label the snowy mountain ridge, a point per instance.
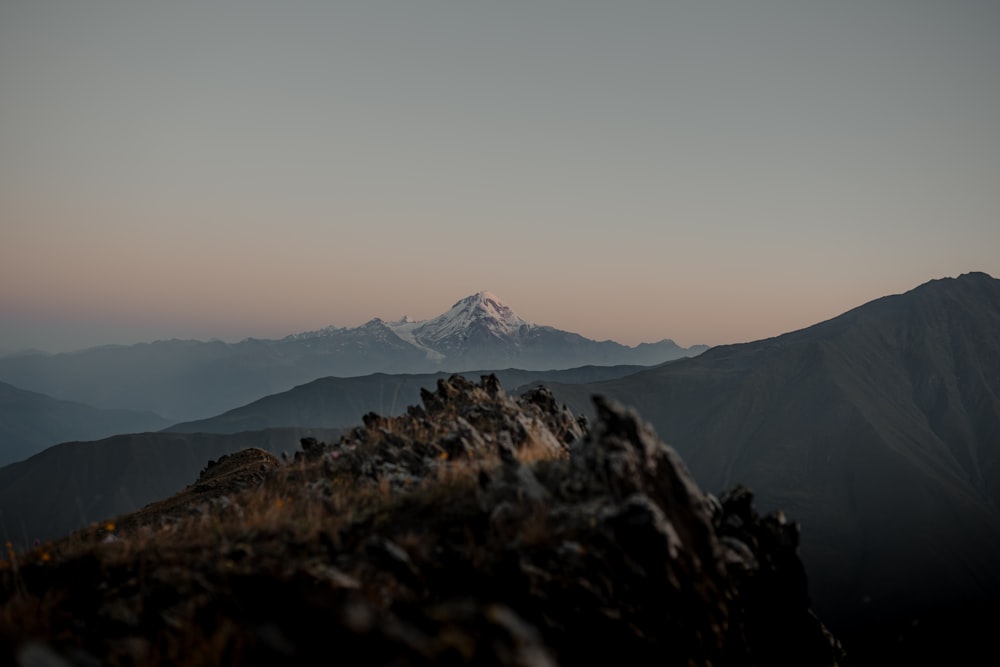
(482, 313)
(480, 329)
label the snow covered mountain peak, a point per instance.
(488, 304)
(476, 316)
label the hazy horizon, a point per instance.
(275, 333)
(709, 172)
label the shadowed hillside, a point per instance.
(73, 484)
(878, 429)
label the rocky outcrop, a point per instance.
(635, 555)
(217, 483)
(475, 529)
(459, 421)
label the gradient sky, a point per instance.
(705, 171)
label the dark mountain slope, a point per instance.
(878, 429)
(30, 422)
(70, 485)
(335, 402)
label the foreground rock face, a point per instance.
(477, 529)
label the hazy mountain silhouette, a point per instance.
(335, 402)
(72, 484)
(879, 430)
(30, 422)
(185, 379)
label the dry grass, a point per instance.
(298, 501)
(158, 586)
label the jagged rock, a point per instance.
(460, 420)
(310, 445)
(240, 469)
(627, 502)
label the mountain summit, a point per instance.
(474, 321)
(481, 331)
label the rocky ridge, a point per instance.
(475, 529)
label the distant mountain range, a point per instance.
(30, 422)
(185, 379)
(879, 430)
